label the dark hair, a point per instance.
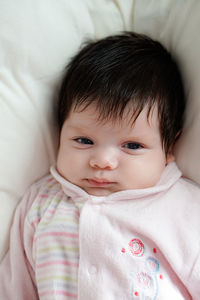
(121, 69)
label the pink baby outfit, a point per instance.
(136, 244)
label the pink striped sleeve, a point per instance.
(16, 273)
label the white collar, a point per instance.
(169, 176)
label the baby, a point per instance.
(114, 219)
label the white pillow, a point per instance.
(36, 40)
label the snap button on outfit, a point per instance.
(93, 270)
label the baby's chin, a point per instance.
(98, 192)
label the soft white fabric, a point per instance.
(36, 40)
(105, 247)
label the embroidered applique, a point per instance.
(144, 279)
(144, 286)
(152, 264)
(136, 247)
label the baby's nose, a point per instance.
(104, 160)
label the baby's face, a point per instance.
(103, 158)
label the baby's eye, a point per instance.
(84, 141)
(133, 146)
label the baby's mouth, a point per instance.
(99, 182)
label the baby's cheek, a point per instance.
(153, 175)
(148, 177)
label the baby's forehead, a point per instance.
(91, 115)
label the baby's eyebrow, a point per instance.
(78, 128)
(73, 127)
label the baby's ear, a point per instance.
(170, 156)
